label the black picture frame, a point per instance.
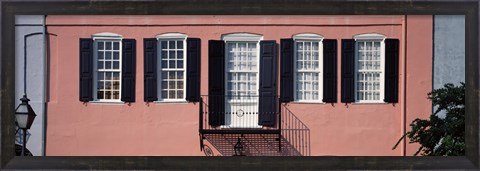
(10, 8)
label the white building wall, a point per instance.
(26, 24)
(449, 50)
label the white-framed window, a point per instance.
(242, 69)
(369, 68)
(107, 67)
(172, 64)
(242, 65)
(308, 67)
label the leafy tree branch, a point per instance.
(441, 135)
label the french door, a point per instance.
(242, 74)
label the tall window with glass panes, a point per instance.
(108, 69)
(369, 69)
(242, 69)
(172, 69)
(308, 75)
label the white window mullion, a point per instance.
(311, 83)
(364, 55)
(303, 55)
(104, 85)
(236, 66)
(311, 56)
(235, 57)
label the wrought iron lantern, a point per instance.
(24, 114)
(238, 148)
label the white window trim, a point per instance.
(371, 37)
(171, 35)
(167, 37)
(106, 36)
(241, 38)
(309, 37)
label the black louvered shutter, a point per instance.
(286, 70)
(391, 70)
(216, 82)
(86, 70)
(150, 69)
(348, 70)
(330, 70)
(268, 83)
(128, 69)
(193, 69)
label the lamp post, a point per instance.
(238, 148)
(24, 114)
(24, 117)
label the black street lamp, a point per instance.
(238, 148)
(24, 117)
(24, 114)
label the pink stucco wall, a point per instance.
(419, 45)
(140, 129)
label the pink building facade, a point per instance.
(194, 85)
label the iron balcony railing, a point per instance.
(295, 134)
(224, 119)
(239, 114)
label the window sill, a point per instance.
(108, 102)
(307, 102)
(171, 102)
(360, 103)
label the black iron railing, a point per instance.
(224, 119)
(295, 134)
(239, 114)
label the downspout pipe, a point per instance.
(44, 84)
(46, 53)
(404, 117)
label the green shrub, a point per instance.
(444, 135)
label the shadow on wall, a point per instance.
(295, 132)
(294, 140)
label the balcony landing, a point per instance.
(240, 131)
